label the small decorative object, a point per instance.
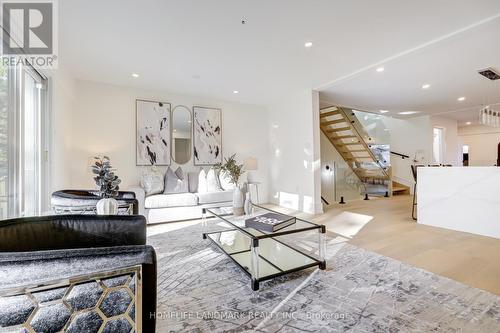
(207, 136)
(234, 170)
(270, 222)
(108, 184)
(248, 204)
(153, 133)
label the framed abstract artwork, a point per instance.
(153, 132)
(207, 131)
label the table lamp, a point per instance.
(250, 164)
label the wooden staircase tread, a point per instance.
(338, 129)
(332, 122)
(338, 137)
(349, 143)
(329, 113)
(355, 151)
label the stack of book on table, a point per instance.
(269, 222)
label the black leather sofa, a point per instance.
(72, 273)
(81, 200)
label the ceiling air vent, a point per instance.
(489, 73)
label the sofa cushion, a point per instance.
(184, 179)
(171, 200)
(174, 183)
(212, 181)
(193, 181)
(152, 182)
(211, 197)
(202, 182)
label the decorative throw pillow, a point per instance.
(202, 182)
(184, 182)
(172, 183)
(193, 181)
(212, 181)
(225, 181)
(152, 182)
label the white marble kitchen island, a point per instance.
(460, 198)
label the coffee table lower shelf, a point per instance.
(261, 259)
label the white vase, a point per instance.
(237, 201)
(107, 206)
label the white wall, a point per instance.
(483, 144)
(295, 152)
(103, 122)
(409, 136)
(329, 156)
(63, 102)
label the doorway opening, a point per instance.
(438, 145)
(465, 153)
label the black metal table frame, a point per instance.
(253, 272)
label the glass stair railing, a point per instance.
(362, 140)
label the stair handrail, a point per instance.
(403, 156)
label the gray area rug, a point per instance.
(201, 290)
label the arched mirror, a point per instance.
(181, 134)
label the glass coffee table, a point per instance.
(265, 255)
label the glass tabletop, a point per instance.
(226, 214)
(274, 257)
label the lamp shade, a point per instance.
(251, 163)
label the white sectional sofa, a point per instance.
(159, 208)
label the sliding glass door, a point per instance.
(22, 142)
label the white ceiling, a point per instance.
(201, 47)
(449, 66)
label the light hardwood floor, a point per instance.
(384, 225)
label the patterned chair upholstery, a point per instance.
(76, 273)
(83, 201)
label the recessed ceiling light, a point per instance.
(380, 69)
(468, 123)
(408, 112)
(461, 99)
(426, 86)
(383, 111)
(308, 44)
(135, 75)
(236, 92)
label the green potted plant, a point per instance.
(234, 171)
(108, 186)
